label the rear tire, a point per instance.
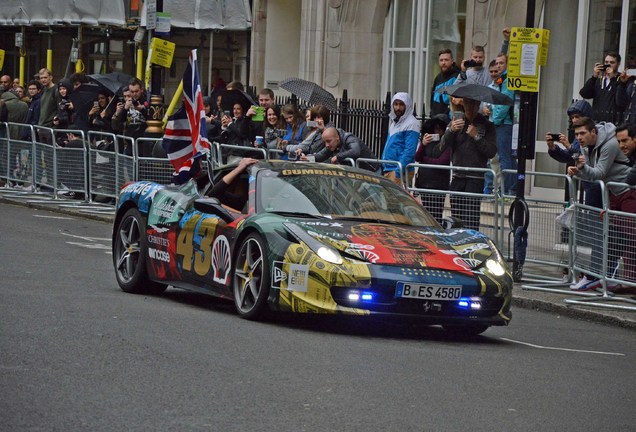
(251, 278)
(130, 252)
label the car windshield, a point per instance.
(338, 194)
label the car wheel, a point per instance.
(251, 278)
(130, 252)
(466, 329)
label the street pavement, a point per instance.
(525, 294)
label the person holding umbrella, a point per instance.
(473, 140)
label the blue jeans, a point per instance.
(504, 149)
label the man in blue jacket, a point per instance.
(404, 134)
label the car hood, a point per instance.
(402, 245)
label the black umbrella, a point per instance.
(235, 96)
(113, 82)
(309, 91)
(476, 92)
(83, 98)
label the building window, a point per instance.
(416, 31)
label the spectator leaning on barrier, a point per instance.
(403, 137)
(34, 88)
(592, 194)
(626, 137)
(341, 145)
(313, 142)
(602, 159)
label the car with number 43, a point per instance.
(309, 238)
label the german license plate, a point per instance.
(428, 291)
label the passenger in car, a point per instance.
(227, 191)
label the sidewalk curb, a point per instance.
(572, 312)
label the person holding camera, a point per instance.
(100, 114)
(65, 110)
(473, 140)
(131, 114)
(601, 87)
(473, 70)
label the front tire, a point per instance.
(130, 252)
(251, 278)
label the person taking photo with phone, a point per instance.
(473, 140)
(601, 87)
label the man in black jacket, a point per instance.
(341, 145)
(601, 87)
(447, 75)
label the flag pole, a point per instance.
(173, 103)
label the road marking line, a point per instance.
(85, 238)
(562, 349)
(53, 217)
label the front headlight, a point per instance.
(495, 267)
(324, 251)
(495, 262)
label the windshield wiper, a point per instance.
(297, 214)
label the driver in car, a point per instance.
(222, 189)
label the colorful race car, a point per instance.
(309, 238)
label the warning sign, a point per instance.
(523, 84)
(528, 50)
(162, 52)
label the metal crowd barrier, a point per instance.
(601, 242)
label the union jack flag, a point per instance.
(186, 137)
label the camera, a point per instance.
(122, 99)
(555, 136)
(606, 66)
(312, 123)
(471, 63)
(292, 156)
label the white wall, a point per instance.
(283, 40)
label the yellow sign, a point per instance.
(528, 50)
(1, 59)
(523, 84)
(162, 52)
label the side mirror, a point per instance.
(450, 222)
(213, 206)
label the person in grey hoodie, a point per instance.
(602, 159)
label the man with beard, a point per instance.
(446, 76)
(404, 134)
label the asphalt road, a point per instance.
(76, 353)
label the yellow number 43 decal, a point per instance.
(202, 256)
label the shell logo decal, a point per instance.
(221, 260)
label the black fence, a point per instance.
(367, 119)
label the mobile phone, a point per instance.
(227, 113)
(575, 156)
(458, 115)
(434, 137)
(95, 104)
(555, 137)
(122, 99)
(630, 72)
(312, 123)
(292, 156)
